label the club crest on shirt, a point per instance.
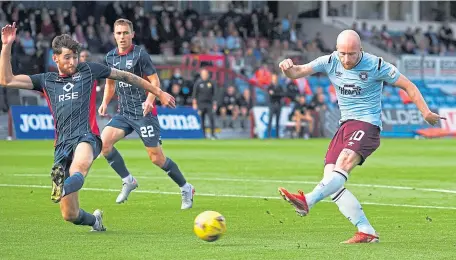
(77, 76)
(363, 76)
(209, 85)
(129, 64)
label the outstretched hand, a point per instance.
(167, 100)
(9, 33)
(433, 118)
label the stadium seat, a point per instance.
(313, 81)
(450, 99)
(395, 99)
(410, 106)
(419, 83)
(429, 98)
(324, 82)
(388, 106)
(435, 91)
(440, 99)
(425, 91)
(399, 106)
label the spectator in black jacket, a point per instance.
(205, 100)
(276, 93)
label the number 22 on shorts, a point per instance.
(147, 131)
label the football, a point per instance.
(209, 226)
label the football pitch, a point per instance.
(407, 189)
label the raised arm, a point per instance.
(293, 71)
(165, 98)
(7, 79)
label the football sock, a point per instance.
(328, 185)
(73, 183)
(85, 219)
(174, 173)
(349, 206)
(117, 163)
(185, 187)
(128, 179)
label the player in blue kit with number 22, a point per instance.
(358, 78)
(71, 97)
(137, 113)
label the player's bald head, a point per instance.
(349, 48)
(349, 38)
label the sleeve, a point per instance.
(388, 72)
(106, 60)
(321, 64)
(146, 63)
(99, 71)
(36, 81)
(195, 89)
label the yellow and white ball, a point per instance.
(209, 226)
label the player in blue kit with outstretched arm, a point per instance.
(136, 112)
(71, 97)
(358, 78)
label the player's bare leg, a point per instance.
(157, 156)
(109, 137)
(83, 158)
(69, 204)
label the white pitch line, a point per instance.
(224, 195)
(263, 181)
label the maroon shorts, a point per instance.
(360, 137)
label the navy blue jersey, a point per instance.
(72, 99)
(131, 97)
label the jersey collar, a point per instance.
(125, 52)
(362, 55)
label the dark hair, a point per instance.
(65, 41)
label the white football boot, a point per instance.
(99, 222)
(126, 189)
(187, 196)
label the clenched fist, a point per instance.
(286, 64)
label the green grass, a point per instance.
(152, 226)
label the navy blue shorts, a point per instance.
(63, 153)
(148, 128)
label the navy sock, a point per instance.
(117, 163)
(174, 173)
(84, 219)
(73, 183)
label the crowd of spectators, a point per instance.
(433, 41)
(252, 42)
